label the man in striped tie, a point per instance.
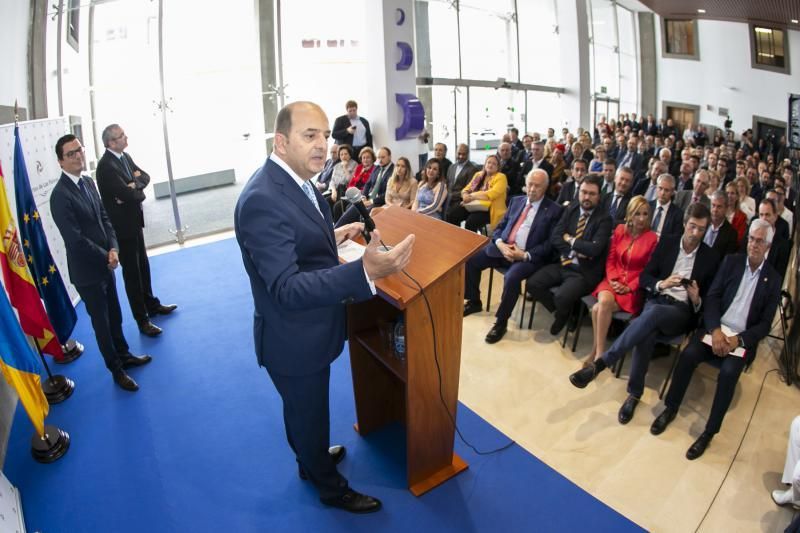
(581, 238)
(520, 243)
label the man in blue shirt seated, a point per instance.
(739, 309)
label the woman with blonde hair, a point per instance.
(735, 215)
(631, 246)
(401, 189)
(483, 199)
(746, 202)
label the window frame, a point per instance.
(695, 56)
(786, 69)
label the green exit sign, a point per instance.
(603, 89)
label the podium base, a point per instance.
(57, 388)
(52, 447)
(72, 350)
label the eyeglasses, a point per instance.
(72, 153)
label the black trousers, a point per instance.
(730, 370)
(136, 273)
(572, 286)
(102, 304)
(512, 281)
(475, 219)
(306, 417)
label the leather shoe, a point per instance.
(628, 407)
(662, 421)
(585, 375)
(472, 307)
(125, 381)
(337, 453)
(699, 447)
(149, 329)
(558, 325)
(163, 309)
(354, 502)
(496, 333)
(130, 360)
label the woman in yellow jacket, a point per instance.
(483, 199)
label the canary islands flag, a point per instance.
(20, 366)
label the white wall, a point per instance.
(723, 77)
(14, 25)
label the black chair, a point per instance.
(675, 344)
(587, 302)
(503, 270)
(533, 308)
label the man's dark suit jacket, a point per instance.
(381, 198)
(593, 245)
(641, 186)
(112, 181)
(538, 244)
(635, 163)
(622, 207)
(650, 128)
(511, 170)
(527, 166)
(567, 194)
(762, 308)
(662, 263)
(299, 288)
(727, 240)
(86, 229)
(457, 183)
(684, 198)
(341, 135)
(673, 225)
(780, 250)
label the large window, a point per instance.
(679, 39)
(769, 49)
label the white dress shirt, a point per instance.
(735, 317)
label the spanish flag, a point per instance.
(20, 367)
(20, 285)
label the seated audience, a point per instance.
(324, 178)
(520, 243)
(609, 171)
(738, 313)
(791, 469)
(667, 217)
(342, 173)
(647, 185)
(720, 235)
(581, 239)
(402, 187)
(616, 202)
(459, 175)
(596, 164)
(781, 248)
(364, 169)
(431, 192)
(747, 203)
(570, 189)
(483, 200)
(559, 168)
(374, 192)
(631, 247)
(734, 215)
(697, 193)
(510, 170)
(537, 160)
(675, 280)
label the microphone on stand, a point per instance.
(356, 199)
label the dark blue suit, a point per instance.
(537, 245)
(673, 225)
(88, 237)
(759, 321)
(300, 291)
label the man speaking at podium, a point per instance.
(288, 243)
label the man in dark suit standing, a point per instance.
(520, 243)
(720, 235)
(92, 256)
(738, 313)
(581, 239)
(352, 129)
(616, 202)
(666, 217)
(121, 183)
(675, 279)
(288, 243)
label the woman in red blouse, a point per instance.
(631, 247)
(364, 170)
(736, 217)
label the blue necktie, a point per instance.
(127, 166)
(657, 218)
(613, 211)
(311, 196)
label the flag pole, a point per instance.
(56, 388)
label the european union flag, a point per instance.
(37, 252)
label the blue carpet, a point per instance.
(201, 446)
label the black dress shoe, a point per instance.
(627, 409)
(130, 360)
(558, 325)
(586, 375)
(496, 333)
(163, 309)
(354, 502)
(337, 453)
(472, 307)
(125, 381)
(149, 329)
(662, 421)
(699, 447)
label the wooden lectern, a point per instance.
(388, 389)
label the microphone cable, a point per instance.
(439, 373)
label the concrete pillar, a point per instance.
(574, 47)
(648, 81)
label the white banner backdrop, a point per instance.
(38, 138)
